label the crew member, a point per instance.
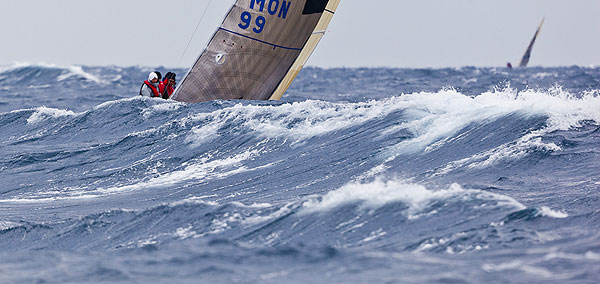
(150, 87)
(168, 85)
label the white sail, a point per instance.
(258, 50)
(527, 55)
(308, 49)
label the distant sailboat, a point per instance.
(527, 55)
(258, 50)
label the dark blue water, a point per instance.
(468, 175)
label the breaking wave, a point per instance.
(460, 170)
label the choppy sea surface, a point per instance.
(466, 175)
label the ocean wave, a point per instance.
(416, 197)
(44, 113)
(199, 219)
(432, 118)
(441, 164)
(441, 115)
(264, 224)
(428, 121)
(298, 120)
(548, 212)
(77, 71)
(7, 225)
(47, 73)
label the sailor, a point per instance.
(508, 65)
(168, 85)
(161, 86)
(150, 87)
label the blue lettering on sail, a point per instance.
(285, 7)
(246, 18)
(262, 4)
(273, 8)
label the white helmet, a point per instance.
(152, 76)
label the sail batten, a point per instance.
(267, 43)
(266, 39)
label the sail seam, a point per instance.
(261, 41)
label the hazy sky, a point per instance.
(397, 33)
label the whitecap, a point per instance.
(77, 71)
(44, 113)
(201, 170)
(298, 120)
(547, 212)
(187, 233)
(435, 119)
(68, 71)
(163, 107)
(6, 225)
(284, 210)
(379, 193)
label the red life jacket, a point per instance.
(170, 88)
(154, 89)
(161, 87)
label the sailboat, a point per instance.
(527, 55)
(258, 50)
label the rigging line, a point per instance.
(194, 33)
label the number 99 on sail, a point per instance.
(246, 22)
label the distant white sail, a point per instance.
(258, 50)
(527, 55)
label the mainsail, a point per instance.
(527, 55)
(258, 50)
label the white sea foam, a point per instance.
(5, 225)
(39, 86)
(433, 118)
(74, 71)
(204, 134)
(218, 226)
(519, 265)
(17, 65)
(590, 255)
(373, 236)
(284, 210)
(43, 113)
(542, 75)
(187, 233)
(379, 193)
(202, 170)
(447, 112)
(505, 152)
(30, 200)
(298, 120)
(436, 118)
(111, 103)
(373, 172)
(253, 205)
(167, 106)
(547, 212)
(196, 200)
(68, 71)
